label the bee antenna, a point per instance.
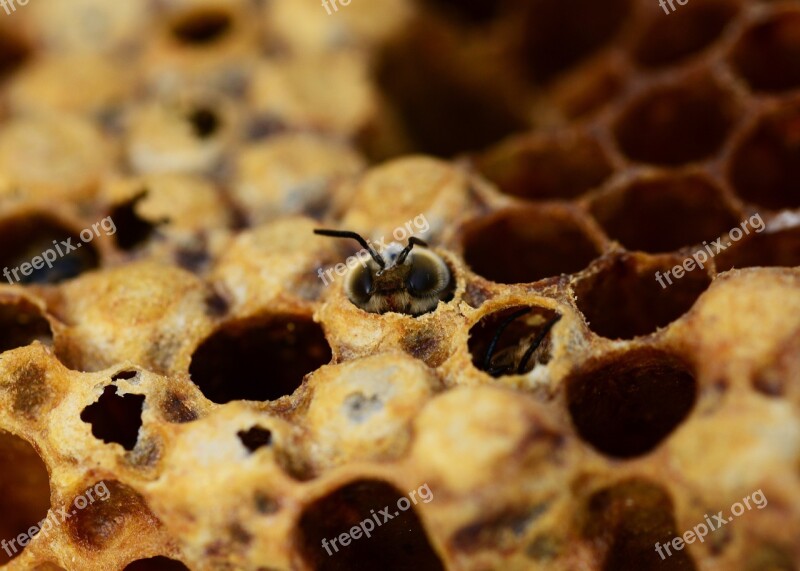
(357, 237)
(413, 241)
(536, 342)
(487, 360)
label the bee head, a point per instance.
(401, 279)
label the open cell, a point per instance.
(767, 56)
(528, 244)
(674, 125)
(765, 167)
(665, 213)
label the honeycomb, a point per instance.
(187, 393)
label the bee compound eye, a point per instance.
(424, 277)
(361, 284)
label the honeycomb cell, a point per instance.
(24, 493)
(399, 542)
(624, 299)
(29, 237)
(767, 56)
(104, 522)
(201, 27)
(527, 244)
(627, 404)
(561, 33)
(687, 31)
(541, 168)
(260, 360)
(672, 125)
(420, 82)
(469, 11)
(774, 248)
(22, 323)
(115, 418)
(628, 519)
(662, 214)
(254, 438)
(14, 52)
(159, 563)
(765, 167)
(500, 342)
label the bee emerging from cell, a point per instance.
(512, 343)
(399, 279)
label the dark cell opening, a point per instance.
(202, 27)
(132, 231)
(399, 543)
(625, 299)
(205, 122)
(765, 168)
(115, 418)
(22, 323)
(442, 110)
(768, 55)
(764, 249)
(24, 492)
(259, 360)
(626, 405)
(527, 244)
(511, 333)
(664, 214)
(687, 31)
(676, 125)
(470, 11)
(159, 563)
(627, 520)
(14, 53)
(545, 169)
(561, 33)
(30, 240)
(255, 438)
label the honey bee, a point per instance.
(400, 279)
(514, 360)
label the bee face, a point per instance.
(399, 279)
(413, 286)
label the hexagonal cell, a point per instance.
(545, 168)
(527, 244)
(260, 359)
(629, 521)
(688, 31)
(24, 494)
(765, 167)
(14, 52)
(40, 236)
(767, 56)
(675, 124)
(662, 214)
(774, 248)
(624, 299)
(626, 405)
(512, 341)
(469, 11)
(22, 323)
(443, 109)
(558, 34)
(159, 563)
(363, 522)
